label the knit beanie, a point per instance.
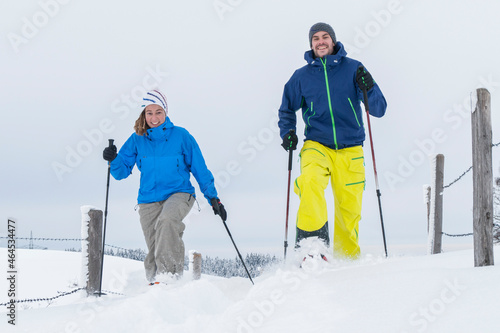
(155, 97)
(321, 27)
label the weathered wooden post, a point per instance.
(482, 175)
(436, 213)
(92, 247)
(195, 265)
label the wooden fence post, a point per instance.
(436, 213)
(195, 265)
(92, 247)
(482, 180)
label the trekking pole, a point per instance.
(290, 153)
(105, 219)
(365, 100)
(237, 251)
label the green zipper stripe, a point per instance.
(355, 183)
(358, 158)
(330, 103)
(352, 107)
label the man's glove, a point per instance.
(218, 208)
(109, 153)
(290, 140)
(364, 79)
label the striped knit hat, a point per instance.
(155, 97)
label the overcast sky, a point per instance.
(71, 72)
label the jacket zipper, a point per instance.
(330, 103)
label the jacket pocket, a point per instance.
(307, 118)
(354, 111)
(356, 172)
(170, 171)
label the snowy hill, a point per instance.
(440, 293)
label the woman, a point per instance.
(165, 155)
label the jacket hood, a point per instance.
(332, 59)
(160, 132)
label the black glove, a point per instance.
(290, 140)
(109, 153)
(364, 79)
(218, 208)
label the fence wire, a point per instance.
(459, 177)
(455, 181)
(43, 239)
(467, 171)
(50, 299)
(61, 240)
(62, 294)
(458, 235)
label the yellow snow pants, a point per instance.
(345, 167)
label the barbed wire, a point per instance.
(458, 235)
(467, 171)
(46, 299)
(495, 225)
(459, 177)
(61, 239)
(43, 239)
(50, 299)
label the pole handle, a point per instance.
(111, 142)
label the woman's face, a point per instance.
(155, 115)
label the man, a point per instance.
(329, 91)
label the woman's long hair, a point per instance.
(141, 126)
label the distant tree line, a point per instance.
(255, 262)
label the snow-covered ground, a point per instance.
(404, 293)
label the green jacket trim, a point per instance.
(330, 103)
(354, 111)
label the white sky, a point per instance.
(69, 69)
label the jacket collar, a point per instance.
(160, 132)
(331, 60)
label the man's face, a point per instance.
(322, 44)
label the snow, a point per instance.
(421, 293)
(444, 49)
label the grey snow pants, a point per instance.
(163, 228)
